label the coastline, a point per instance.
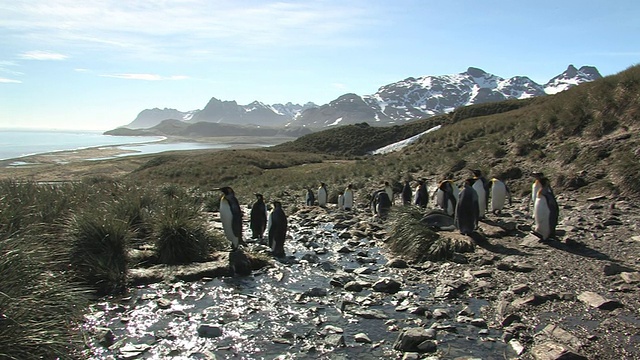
(113, 160)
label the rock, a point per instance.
(369, 313)
(362, 338)
(340, 280)
(482, 273)
(105, 336)
(131, 351)
(163, 303)
(441, 314)
(397, 263)
(363, 270)
(344, 250)
(532, 241)
(315, 292)
(479, 322)
(330, 329)
(310, 258)
(428, 346)
(388, 286)
(353, 286)
(554, 351)
(448, 290)
(519, 289)
(630, 277)
(562, 335)
(531, 300)
(515, 266)
(336, 340)
(239, 263)
(510, 319)
(597, 301)
(209, 331)
(411, 356)
(410, 338)
(615, 269)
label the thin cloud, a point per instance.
(146, 77)
(10, 81)
(42, 55)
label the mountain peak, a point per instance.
(476, 72)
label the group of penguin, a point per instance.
(467, 204)
(273, 222)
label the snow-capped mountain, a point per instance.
(399, 102)
(415, 98)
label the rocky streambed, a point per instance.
(340, 294)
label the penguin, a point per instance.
(311, 199)
(499, 194)
(546, 211)
(422, 197)
(407, 193)
(380, 203)
(258, 220)
(322, 194)
(341, 201)
(481, 186)
(277, 229)
(539, 179)
(231, 217)
(446, 198)
(467, 209)
(389, 190)
(347, 197)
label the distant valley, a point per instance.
(397, 103)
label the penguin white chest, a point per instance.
(542, 217)
(498, 196)
(478, 186)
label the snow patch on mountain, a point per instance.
(403, 143)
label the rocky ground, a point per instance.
(574, 297)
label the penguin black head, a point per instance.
(259, 196)
(470, 181)
(477, 173)
(349, 186)
(227, 190)
(277, 204)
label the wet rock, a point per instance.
(441, 314)
(132, 351)
(397, 263)
(597, 301)
(340, 280)
(478, 322)
(409, 339)
(466, 311)
(448, 290)
(353, 286)
(553, 351)
(344, 250)
(105, 336)
(419, 310)
(335, 340)
(411, 356)
(428, 346)
(311, 258)
(388, 286)
(315, 292)
(516, 346)
(369, 313)
(330, 329)
(209, 331)
(163, 303)
(363, 270)
(362, 338)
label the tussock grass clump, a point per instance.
(39, 308)
(99, 243)
(410, 238)
(181, 235)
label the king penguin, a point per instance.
(258, 221)
(499, 195)
(446, 198)
(538, 181)
(322, 194)
(310, 197)
(422, 195)
(389, 190)
(347, 197)
(467, 209)
(277, 229)
(231, 217)
(481, 186)
(546, 211)
(407, 193)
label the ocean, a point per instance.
(15, 144)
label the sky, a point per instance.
(96, 64)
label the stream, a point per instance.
(296, 309)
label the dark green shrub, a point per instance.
(180, 234)
(99, 249)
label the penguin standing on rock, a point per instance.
(258, 219)
(380, 203)
(422, 195)
(499, 194)
(277, 229)
(538, 181)
(406, 193)
(481, 186)
(347, 198)
(546, 211)
(467, 209)
(311, 199)
(322, 194)
(446, 198)
(231, 217)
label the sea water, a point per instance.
(19, 143)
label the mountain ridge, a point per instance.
(395, 103)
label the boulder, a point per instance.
(597, 301)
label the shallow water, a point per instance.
(267, 315)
